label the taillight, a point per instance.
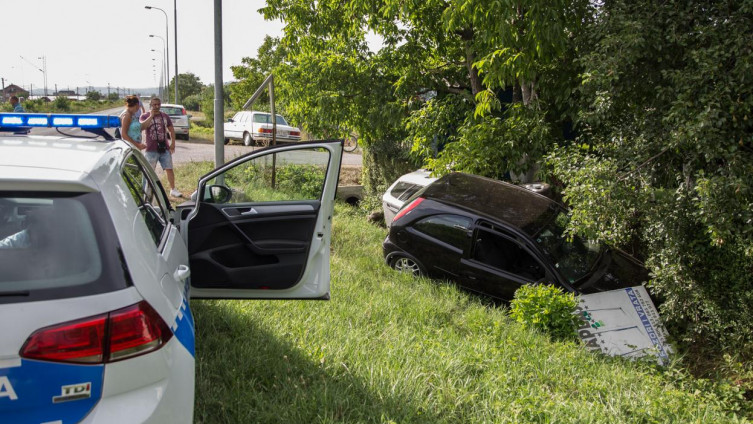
(124, 333)
(135, 330)
(77, 341)
(408, 208)
(183, 112)
(265, 130)
(295, 133)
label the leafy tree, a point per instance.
(188, 85)
(93, 95)
(113, 97)
(61, 104)
(665, 157)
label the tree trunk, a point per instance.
(470, 57)
(528, 91)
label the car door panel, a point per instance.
(266, 248)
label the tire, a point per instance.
(402, 263)
(227, 140)
(187, 137)
(351, 143)
(247, 140)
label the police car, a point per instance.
(97, 268)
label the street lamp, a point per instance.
(167, 62)
(166, 40)
(163, 68)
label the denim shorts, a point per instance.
(165, 159)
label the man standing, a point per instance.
(16, 105)
(159, 148)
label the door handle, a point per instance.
(182, 272)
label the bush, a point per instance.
(61, 104)
(546, 308)
(192, 102)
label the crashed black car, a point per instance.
(492, 237)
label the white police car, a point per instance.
(96, 268)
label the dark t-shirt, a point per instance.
(157, 131)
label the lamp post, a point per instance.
(167, 51)
(175, 36)
(167, 61)
(163, 68)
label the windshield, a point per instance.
(573, 259)
(172, 110)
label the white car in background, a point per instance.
(98, 267)
(401, 190)
(256, 128)
(179, 117)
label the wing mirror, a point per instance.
(217, 194)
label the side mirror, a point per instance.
(230, 120)
(189, 116)
(217, 194)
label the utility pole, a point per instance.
(108, 89)
(175, 36)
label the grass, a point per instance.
(389, 348)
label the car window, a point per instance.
(451, 229)
(573, 257)
(502, 252)
(237, 117)
(143, 191)
(56, 245)
(292, 175)
(403, 190)
(171, 110)
(264, 118)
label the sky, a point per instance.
(101, 42)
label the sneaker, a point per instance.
(175, 193)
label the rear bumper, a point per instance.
(267, 137)
(180, 130)
(153, 388)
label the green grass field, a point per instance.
(388, 348)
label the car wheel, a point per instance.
(247, 140)
(407, 265)
(186, 137)
(227, 140)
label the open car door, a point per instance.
(261, 225)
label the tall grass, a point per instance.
(388, 348)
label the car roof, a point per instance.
(494, 199)
(172, 105)
(51, 159)
(420, 177)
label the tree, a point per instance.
(93, 95)
(665, 157)
(113, 96)
(188, 85)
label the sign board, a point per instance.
(623, 323)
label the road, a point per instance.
(198, 150)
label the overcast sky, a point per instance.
(96, 42)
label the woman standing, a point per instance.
(130, 129)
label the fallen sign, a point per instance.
(623, 323)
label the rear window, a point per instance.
(265, 118)
(403, 190)
(57, 246)
(171, 110)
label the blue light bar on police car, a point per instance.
(55, 120)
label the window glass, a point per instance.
(451, 229)
(264, 118)
(291, 175)
(404, 190)
(172, 110)
(505, 254)
(53, 245)
(144, 192)
(573, 257)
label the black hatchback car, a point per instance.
(493, 237)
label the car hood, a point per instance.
(614, 270)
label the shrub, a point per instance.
(546, 308)
(61, 104)
(192, 102)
